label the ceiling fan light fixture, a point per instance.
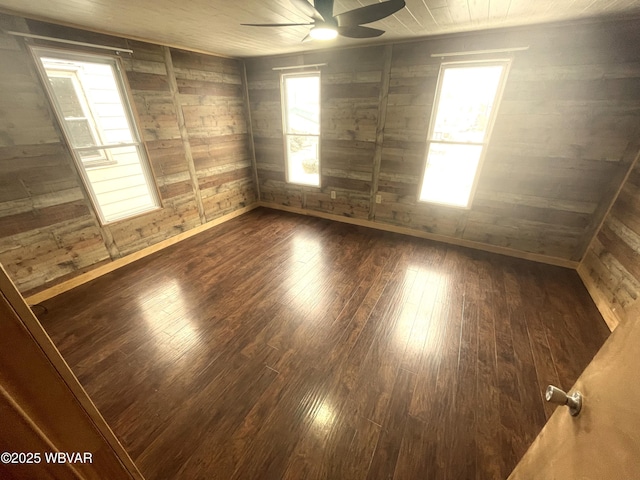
(350, 24)
(323, 32)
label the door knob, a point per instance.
(573, 401)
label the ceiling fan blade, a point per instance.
(307, 38)
(358, 31)
(308, 9)
(370, 13)
(274, 24)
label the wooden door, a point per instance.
(603, 442)
(43, 408)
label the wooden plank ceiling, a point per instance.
(214, 25)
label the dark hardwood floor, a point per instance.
(278, 346)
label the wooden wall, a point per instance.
(350, 89)
(561, 145)
(192, 117)
(560, 148)
(611, 267)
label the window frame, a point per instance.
(126, 101)
(285, 134)
(506, 64)
(73, 75)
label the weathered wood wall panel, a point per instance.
(611, 267)
(47, 228)
(48, 231)
(211, 95)
(350, 99)
(559, 151)
(147, 75)
(558, 144)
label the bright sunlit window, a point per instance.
(90, 101)
(301, 123)
(465, 107)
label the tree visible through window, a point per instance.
(301, 119)
(466, 101)
(89, 98)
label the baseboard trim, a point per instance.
(602, 304)
(559, 262)
(121, 262)
(110, 267)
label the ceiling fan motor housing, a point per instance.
(326, 25)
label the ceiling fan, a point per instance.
(326, 25)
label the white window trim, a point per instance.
(125, 99)
(286, 134)
(506, 62)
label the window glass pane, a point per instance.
(80, 132)
(302, 109)
(466, 98)
(94, 112)
(301, 115)
(467, 95)
(450, 173)
(102, 93)
(121, 188)
(66, 94)
(96, 87)
(302, 159)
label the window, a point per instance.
(77, 114)
(464, 111)
(301, 126)
(88, 96)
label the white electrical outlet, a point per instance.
(333, 194)
(378, 198)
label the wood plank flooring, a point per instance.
(278, 346)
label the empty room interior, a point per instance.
(320, 240)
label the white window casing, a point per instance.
(466, 103)
(300, 93)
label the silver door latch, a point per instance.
(573, 401)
